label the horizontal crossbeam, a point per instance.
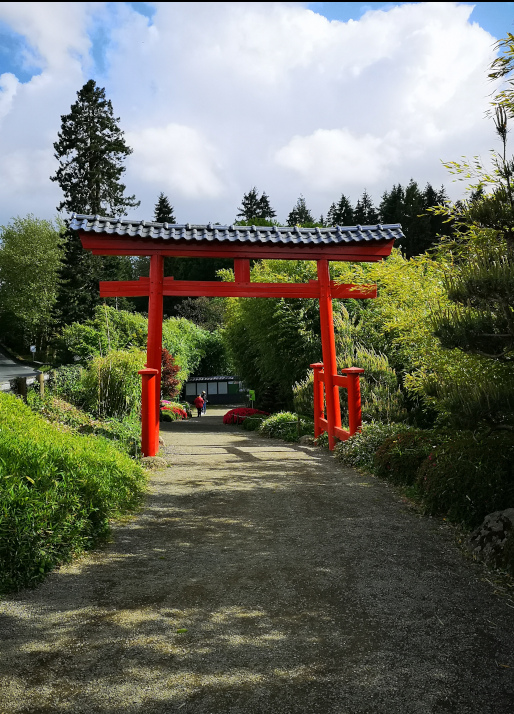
(360, 252)
(215, 288)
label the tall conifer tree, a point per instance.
(300, 215)
(90, 150)
(164, 211)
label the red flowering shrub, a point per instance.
(170, 385)
(239, 414)
(171, 411)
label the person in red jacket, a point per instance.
(199, 405)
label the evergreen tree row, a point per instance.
(407, 206)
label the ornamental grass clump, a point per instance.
(58, 491)
(112, 385)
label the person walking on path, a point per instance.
(204, 397)
(199, 405)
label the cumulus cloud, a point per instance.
(177, 159)
(218, 97)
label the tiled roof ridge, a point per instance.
(261, 235)
(97, 219)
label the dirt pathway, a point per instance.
(261, 578)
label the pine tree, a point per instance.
(266, 211)
(341, 213)
(300, 215)
(91, 150)
(365, 213)
(164, 211)
(255, 208)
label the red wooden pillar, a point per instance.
(149, 423)
(354, 398)
(154, 345)
(329, 351)
(319, 405)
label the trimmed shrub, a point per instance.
(253, 423)
(286, 426)
(399, 457)
(359, 450)
(467, 477)
(58, 491)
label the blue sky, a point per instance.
(316, 99)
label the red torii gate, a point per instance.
(107, 236)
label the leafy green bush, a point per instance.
(359, 450)
(112, 385)
(286, 426)
(399, 457)
(253, 423)
(125, 433)
(66, 382)
(467, 477)
(58, 491)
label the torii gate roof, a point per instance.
(108, 236)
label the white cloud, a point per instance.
(177, 159)
(218, 97)
(331, 157)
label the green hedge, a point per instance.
(58, 491)
(286, 426)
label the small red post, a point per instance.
(354, 398)
(149, 422)
(328, 345)
(319, 406)
(154, 345)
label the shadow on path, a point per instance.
(261, 577)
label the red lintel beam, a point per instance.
(214, 288)
(104, 244)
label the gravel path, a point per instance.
(261, 577)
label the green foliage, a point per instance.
(113, 330)
(286, 426)
(381, 397)
(359, 450)
(112, 385)
(255, 208)
(30, 259)
(66, 383)
(57, 492)
(399, 457)
(365, 213)
(163, 212)
(91, 150)
(468, 476)
(108, 330)
(409, 206)
(340, 213)
(272, 342)
(300, 214)
(125, 433)
(253, 423)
